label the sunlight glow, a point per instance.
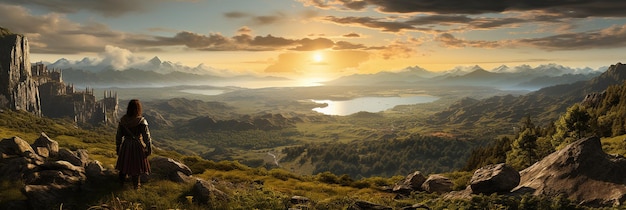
(317, 57)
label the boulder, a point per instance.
(94, 170)
(204, 192)
(366, 205)
(416, 207)
(296, 199)
(496, 178)
(437, 183)
(169, 168)
(46, 196)
(411, 183)
(42, 151)
(14, 168)
(45, 142)
(67, 155)
(15, 146)
(83, 156)
(581, 172)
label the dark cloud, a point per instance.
(568, 8)
(352, 35)
(104, 7)
(613, 37)
(448, 40)
(371, 23)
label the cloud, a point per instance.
(257, 20)
(387, 26)
(54, 33)
(448, 40)
(569, 8)
(612, 37)
(103, 7)
(352, 35)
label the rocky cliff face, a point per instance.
(18, 90)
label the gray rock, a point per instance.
(296, 199)
(168, 168)
(42, 151)
(496, 178)
(14, 168)
(46, 196)
(83, 156)
(15, 146)
(437, 183)
(204, 192)
(416, 207)
(69, 156)
(45, 142)
(94, 170)
(181, 177)
(412, 182)
(366, 205)
(581, 172)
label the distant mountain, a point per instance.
(544, 105)
(145, 73)
(519, 77)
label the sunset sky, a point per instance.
(323, 38)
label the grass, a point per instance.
(614, 145)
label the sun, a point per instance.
(317, 57)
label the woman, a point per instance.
(133, 144)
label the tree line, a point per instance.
(605, 117)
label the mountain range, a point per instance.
(155, 72)
(522, 77)
(545, 104)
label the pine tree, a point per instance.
(524, 149)
(573, 125)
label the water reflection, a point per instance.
(368, 104)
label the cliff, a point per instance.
(18, 90)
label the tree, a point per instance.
(523, 150)
(571, 126)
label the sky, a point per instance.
(322, 39)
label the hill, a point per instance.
(520, 77)
(545, 104)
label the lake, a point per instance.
(369, 104)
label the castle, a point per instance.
(60, 100)
(34, 88)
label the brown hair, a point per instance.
(134, 108)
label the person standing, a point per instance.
(133, 144)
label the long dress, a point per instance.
(132, 154)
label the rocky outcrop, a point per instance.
(412, 182)
(18, 91)
(497, 178)
(437, 184)
(204, 192)
(366, 205)
(581, 172)
(170, 169)
(48, 179)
